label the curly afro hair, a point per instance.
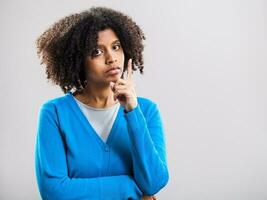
(64, 47)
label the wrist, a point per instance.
(128, 109)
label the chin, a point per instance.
(115, 77)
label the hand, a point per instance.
(124, 90)
(148, 197)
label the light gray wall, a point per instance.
(205, 65)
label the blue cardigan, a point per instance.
(73, 162)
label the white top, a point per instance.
(101, 119)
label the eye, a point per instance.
(117, 46)
(96, 52)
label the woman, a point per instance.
(99, 140)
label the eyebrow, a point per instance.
(115, 41)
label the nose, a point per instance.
(110, 59)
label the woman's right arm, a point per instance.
(52, 172)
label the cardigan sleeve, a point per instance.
(148, 143)
(52, 172)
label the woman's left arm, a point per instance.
(148, 149)
(147, 137)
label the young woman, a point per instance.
(99, 140)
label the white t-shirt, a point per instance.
(101, 119)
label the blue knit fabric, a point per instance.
(72, 162)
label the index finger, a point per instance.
(129, 70)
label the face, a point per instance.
(109, 54)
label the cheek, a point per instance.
(94, 66)
(121, 57)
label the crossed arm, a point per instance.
(52, 172)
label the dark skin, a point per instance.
(108, 88)
(98, 92)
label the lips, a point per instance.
(113, 72)
(112, 68)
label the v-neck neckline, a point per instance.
(91, 129)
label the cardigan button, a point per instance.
(106, 149)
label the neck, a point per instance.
(99, 96)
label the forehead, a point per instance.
(106, 37)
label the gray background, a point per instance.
(205, 66)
